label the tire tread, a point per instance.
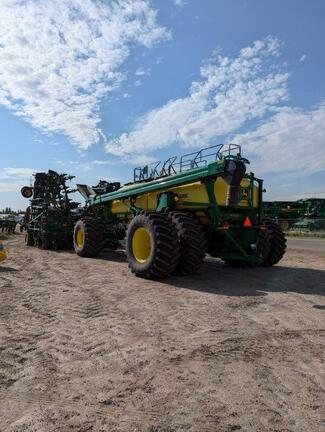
(192, 241)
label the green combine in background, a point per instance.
(302, 215)
(313, 218)
(285, 213)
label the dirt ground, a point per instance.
(86, 346)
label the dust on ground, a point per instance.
(86, 346)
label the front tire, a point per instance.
(88, 237)
(152, 246)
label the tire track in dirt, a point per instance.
(85, 346)
(55, 326)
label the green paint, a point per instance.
(183, 178)
(232, 243)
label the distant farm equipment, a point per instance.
(8, 224)
(50, 218)
(313, 218)
(301, 215)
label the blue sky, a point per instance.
(95, 88)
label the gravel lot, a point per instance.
(86, 346)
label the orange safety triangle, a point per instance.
(247, 222)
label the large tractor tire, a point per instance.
(152, 246)
(277, 243)
(88, 237)
(192, 242)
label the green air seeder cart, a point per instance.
(174, 212)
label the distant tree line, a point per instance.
(7, 210)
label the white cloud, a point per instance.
(143, 71)
(74, 167)
(302, 58)
(102, 162)
(12, 179)
(180, 3)
(231, 92)
(59, 58)
(135, 160)
(311, 192)
(15, 173)
(291, 142)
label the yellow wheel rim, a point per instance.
(26, 237)
(80, 237)
(141, 244)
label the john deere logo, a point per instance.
(244, 193)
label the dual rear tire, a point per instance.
(152, 248)
(192, 242)
(159, 244)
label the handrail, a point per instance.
(175, 165)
